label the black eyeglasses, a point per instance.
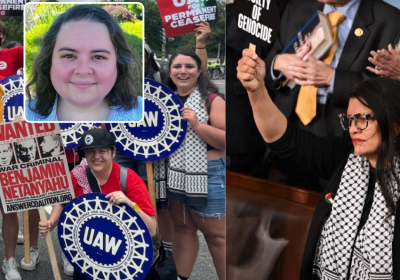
(360, 120)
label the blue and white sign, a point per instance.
(13, 99)
(104, 241)
(162, 130)
(71, 133)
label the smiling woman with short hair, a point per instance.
(99, 148)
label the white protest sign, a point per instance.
(33, 167)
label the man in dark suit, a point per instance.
(368, 25)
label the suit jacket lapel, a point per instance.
(354, 44)
(317, 6)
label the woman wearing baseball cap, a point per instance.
(98, 147)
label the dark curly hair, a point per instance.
(204, 84)
(382, 96)
(126, 88)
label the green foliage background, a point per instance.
(217, 36)
(153, 24)
(15, 32)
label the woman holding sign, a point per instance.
(355, 229)
(196, 174)
(98, 146)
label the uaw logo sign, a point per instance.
(162, 130)
(13, 98)
(71, 133)
(104, 241)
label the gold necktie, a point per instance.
(306, 107)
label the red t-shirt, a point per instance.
(11, 60)
(71, 155)
(135, 188)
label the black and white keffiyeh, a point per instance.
(372, 255)
(160, 183)
(187, 167)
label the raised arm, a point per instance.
(202, 31)
(269, 120)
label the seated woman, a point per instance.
(355, 230)
(85, 71)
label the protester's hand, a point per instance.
(282, 62)
(118, 197)
(189, 115)
(386, 62)
(202, 31)
(251, 71)
(312, 72)
(45, 227)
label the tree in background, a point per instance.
(153, 25)
(15, 30)
(120, 13)
(188, 41)
(136, 10)
(152, 20)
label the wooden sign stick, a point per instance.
(25, 221)
(27, 247)
(252, 47)
(150, 184)
(50, 247)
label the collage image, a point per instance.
(199, 139)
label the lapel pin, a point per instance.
(358, 32)
(329, 198)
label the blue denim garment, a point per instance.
(216, 191)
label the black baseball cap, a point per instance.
(96, 138)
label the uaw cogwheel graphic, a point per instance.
(162, 130)
(71, 133)
(103, 241)
(13, 98)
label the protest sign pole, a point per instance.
(150, 184)
(252, 47)
(50, 247)
(27, 253)
(25, 221)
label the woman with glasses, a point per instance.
(355, 232)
